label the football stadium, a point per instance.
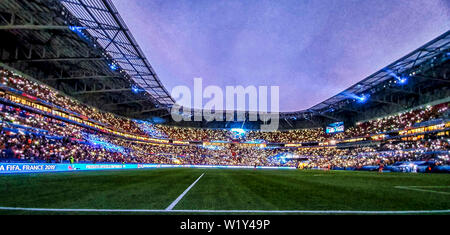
(87, 127)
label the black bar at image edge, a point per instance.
(147, 224)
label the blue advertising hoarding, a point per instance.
(18, 168)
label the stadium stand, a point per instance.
(36, 128)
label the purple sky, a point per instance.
(311, 49)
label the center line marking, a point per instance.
(174, 203)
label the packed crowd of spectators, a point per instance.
(35, 148)
(46, 93)
(400, 121)
(387, 153)
(61, 141)
(394, 122)
(381, 125)
(28, 136)
(10, 116)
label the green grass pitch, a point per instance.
(223, 189)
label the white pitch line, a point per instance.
(229, 211)
(174, 203)
(428, 186)
(415, 188)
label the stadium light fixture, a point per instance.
(113, 67)
(77, 29)
(363, 98)
(358, 98)
(400, 80)
(331, 110)
(403, 80)
(135, 89)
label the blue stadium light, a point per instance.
(76, 29)
(113, 67)
(135, 89)
(363, 98)
(401, 80)
(79, 31)
(359, 98)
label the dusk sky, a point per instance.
(312, 50)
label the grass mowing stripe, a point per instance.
(174, 203)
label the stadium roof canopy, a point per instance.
(401, 67)
(83, 48)
(101, 19)
(410, 66)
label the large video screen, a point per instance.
(336, 127)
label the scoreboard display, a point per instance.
(336, 127)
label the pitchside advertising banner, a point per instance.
(14, 168)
